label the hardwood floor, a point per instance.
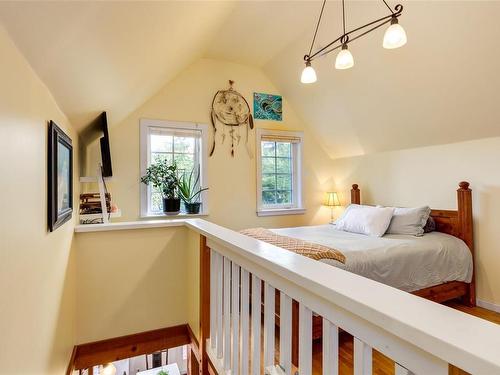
(381, 364)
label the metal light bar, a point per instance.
(350, 36)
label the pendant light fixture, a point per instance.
(344, 59)
(394, 37)
(308, 74)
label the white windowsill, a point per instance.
(281, 211)
(182, 215)
(157, 221)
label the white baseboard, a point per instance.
(488, 305)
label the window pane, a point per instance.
(157, 157)
(184, 144)
(268, 148)
(284, 182)
(283, 149)
(268, 182)
(268, 165)
(154, 190)
(284, 197)
(161, 143)
(185, 163)
(283, 165)
(156, 202)
(268, 197)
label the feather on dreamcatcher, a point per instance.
(231, 109)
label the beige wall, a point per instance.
(136, 280)
(430, 176)
(37, 299)
(130, 281)
(232, 181)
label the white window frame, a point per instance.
(145, 151)
(298, 208)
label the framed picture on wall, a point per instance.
(59, 177)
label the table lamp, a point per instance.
(332, 200)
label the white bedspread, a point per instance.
(402, 261)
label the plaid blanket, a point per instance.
(308, 249)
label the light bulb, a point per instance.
(108, 369)
(308, 74)
(395, 35)
(344, 59)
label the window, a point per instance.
(279, 173)
(182, 142)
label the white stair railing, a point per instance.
(230, 323)
(420, 336)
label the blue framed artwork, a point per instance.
(267, 107)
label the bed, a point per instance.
(445, 257)
(405, 262)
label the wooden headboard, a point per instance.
(458, 222)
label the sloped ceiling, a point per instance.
(440, 88)
(110, 56)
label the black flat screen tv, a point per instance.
(98, 129)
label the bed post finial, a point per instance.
(355, 194)
(464, 185)
(464, 197)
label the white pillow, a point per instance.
(369, 220)
(409, 220)
(350, 207)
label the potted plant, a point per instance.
(164, 177)
(189, 191)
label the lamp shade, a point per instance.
(332, 199)
(395, 35)
(308, 74)
(344, 59)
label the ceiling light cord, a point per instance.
(307, 57)
(343, 15)
(388, 7)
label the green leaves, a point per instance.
(189, 189)
(163, 176)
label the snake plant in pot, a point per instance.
(164, 177)
(190, 191)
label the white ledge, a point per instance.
(281, 211)
(128, 225)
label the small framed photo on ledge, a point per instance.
(59, 177)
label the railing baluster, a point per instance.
(235, 317)
(213, 299)
(362, 358)
(245, 295)
(227, 314)
(256, 328)
(269, 311)
(219, 304)
(305, 340)
(330, 348)
(286, 333)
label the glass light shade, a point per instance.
(308, 74)
(344, 59)
(332, 199)
(108, 369)
(395, 36)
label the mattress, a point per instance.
(405, 262)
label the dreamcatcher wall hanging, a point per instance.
(231, 109)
